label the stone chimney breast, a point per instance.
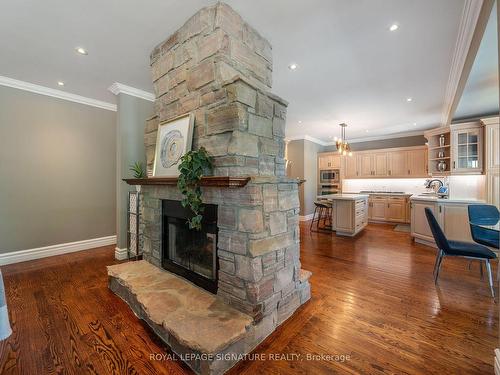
(220, 68)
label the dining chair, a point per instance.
(468, 250)
(484, 214)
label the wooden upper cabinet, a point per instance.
(329, 161)
(365, 165)
(397, 162)
(467, 148)
(335, 161)
(323, 161)
(380, 164)
(351, 167)
(417, 163)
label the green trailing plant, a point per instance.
(194, 164)
(138, 170)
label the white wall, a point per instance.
(407, 185)
(467, 187)
(461, 187)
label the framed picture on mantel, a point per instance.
(173, 140)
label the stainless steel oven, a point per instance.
(329, 176)
(326, 189)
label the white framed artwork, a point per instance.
(173, 140)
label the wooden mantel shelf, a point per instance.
(214, 181)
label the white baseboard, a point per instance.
(47, 251)
(121, 254)
(306, 217)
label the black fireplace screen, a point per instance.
(188, 252)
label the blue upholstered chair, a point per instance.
(484, 214)
(458, 248)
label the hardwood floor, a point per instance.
(374, 302)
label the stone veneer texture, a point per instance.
(219, 68)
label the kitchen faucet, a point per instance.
(428, 183)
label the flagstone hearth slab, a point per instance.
(196, 318)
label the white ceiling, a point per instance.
(480, 94)
(351, 68)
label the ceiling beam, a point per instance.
(475, 17)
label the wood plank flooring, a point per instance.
(374, 310)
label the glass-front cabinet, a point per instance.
(467, 143)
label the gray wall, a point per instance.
(311, 150)
(57, 171)
(132, 115)
(295, 156)
(303, 155)
(417, 140)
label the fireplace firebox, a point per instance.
(187, 252)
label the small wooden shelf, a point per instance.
(443, 158)
(215, 181)
(437, 147)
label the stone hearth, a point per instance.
(219, 68)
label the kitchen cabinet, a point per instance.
(439, 151)
(376, 208)
(493, 188)
(397, 163)
(387, 208)
(373, 165)
(417, 163)
(396, 209)
(419, 226)
(453, 218)
(467, 148)
(386, 163)
(350, 166)
(492, 155)
(365, 165)
(329, 161)
(379, 163)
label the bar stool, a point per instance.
(322, 211)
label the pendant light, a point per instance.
(343, 146)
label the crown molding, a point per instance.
(463, 55)
(47, 91)
(119, 88)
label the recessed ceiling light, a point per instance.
(300, 121)
(293, 66)
(409, 99)
(394, 27)
(60, 83)
(367, 131)
(81, 51)
(414, 124)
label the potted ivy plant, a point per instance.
(193, 166)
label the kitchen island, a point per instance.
(349, 212)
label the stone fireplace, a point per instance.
(219, 68)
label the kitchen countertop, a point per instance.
(344, 196)
(431, 198)
(399, 193)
